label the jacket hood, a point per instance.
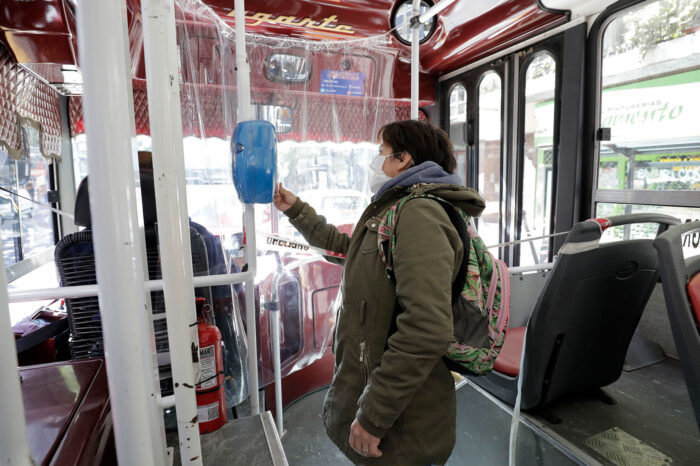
(426, 172)
(429, 177)
(462, 197)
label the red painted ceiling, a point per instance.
(43, 32)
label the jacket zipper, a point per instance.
(363, 362)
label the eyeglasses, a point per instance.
(379, 153)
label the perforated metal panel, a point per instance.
(75, 114)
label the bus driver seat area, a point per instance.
(582, 323)
(75, 260)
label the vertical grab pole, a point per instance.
(415, 60)
(279, 415)
(243, 68)
(163, 85)
(14, 449)
(275, 309)
(245, 113)
(251, 321)
(126, 316)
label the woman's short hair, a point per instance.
(422, 140)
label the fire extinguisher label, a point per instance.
(208, 413)
(207, 362)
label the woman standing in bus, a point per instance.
(392, 398)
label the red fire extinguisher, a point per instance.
(211, 399)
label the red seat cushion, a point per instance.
(694, 295)
(508, 360)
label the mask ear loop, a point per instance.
(413, 161)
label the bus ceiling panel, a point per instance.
(332, 22)
(46, 16)
(28, 47)
(465, 30)
(38, 32)
(44, 32)
(505, 24)
(312, 19)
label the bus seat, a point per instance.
(508, 360)
(694, 296)
(583, 321)
(81, 212)
(75, 262)
(680, 279)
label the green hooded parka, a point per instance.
(390, 336)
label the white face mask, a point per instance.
(377, 177)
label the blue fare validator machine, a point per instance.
(254, 149)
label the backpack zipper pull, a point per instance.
(362, 351)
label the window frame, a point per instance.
(553, 48)
(592, 195)
(450, 89)
(567, 47)
(28, 262)
(502, 69)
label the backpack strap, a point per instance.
(461, 227)
(387, 238)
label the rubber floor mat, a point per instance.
(622, 449)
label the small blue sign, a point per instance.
(342, 82)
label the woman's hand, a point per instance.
(363, 442)
(283, 199)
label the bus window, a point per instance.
(11, 246)
(650, 69)
(80, 167)
(330, 176)
(458, 119)
(538, 157)
(490, 155)
(36, 224)
(26, 227)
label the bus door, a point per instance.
(501, 117)
(475, 115)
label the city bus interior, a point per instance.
(577, 121)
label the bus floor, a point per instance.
(652, 423)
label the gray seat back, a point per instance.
(676, 272)
(583, 321)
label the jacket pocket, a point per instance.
(369, 240)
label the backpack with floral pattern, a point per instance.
(480, 293)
